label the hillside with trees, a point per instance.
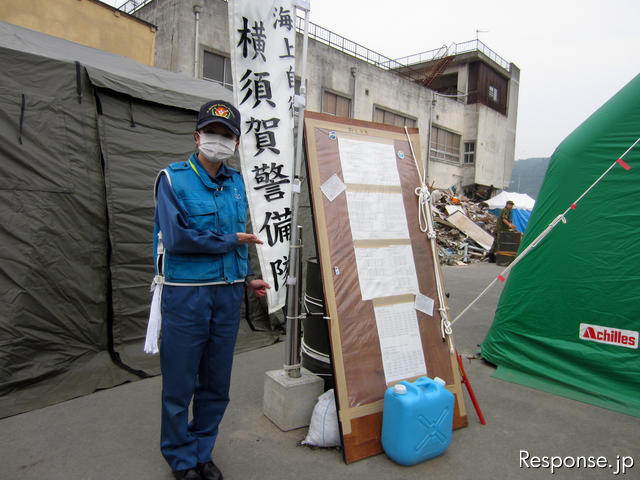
(528, 175)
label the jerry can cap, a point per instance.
(440, 381)
(400, 389)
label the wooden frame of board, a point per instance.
(356, 352)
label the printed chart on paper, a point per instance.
(376, 212)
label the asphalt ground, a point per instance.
(114, 434)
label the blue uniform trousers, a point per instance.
(199, 330)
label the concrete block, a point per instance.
(288, 402)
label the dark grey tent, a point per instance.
(82, 135)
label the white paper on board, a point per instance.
(386, 271)
(400, 343)
(368, 163)
(333, 187)
(376, 215)
(424, 304)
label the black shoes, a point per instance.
(189, 474)
(204, 471)
(209, 471)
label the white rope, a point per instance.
(313, 301)
(423, 197)
(474, 301)
(287, 368)
(560, 218)
(315, 354)
(425, 220)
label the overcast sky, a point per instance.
(573, 55)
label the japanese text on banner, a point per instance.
(263, 62)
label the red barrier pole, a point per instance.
(465, 380)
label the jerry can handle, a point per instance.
(426, 384)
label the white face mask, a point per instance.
(216, 148)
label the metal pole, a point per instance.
(354, 74)
(196, 11)
(294, 281)
(294, 295)
(426, 167)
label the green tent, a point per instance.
(569, 315)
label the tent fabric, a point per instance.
(83, 134)
(521, 201)
(126, 127)
(521, 211)
(114, 72)
(583, 272)
(53, 260)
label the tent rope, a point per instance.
(546, 231)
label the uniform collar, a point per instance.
(224, 172)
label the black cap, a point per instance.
(219, 111)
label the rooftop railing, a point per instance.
(455, 49)
(354, 49)
(322, 35)
(130, 6)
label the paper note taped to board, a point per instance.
(333, 187)
(368, 163)
(424, 304)
(377, 215)
(386, 271)
(400, 344)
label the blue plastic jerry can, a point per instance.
(417, 420)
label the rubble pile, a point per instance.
(455, 247)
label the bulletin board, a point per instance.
(374, 261)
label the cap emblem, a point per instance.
(220, 111)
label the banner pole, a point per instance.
(294, 294)
(294, 281)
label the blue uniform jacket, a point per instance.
(196, 221)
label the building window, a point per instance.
(487, 86)
(445, 145)
(469, 152)
(217, 68)
(336, 104)
(389, 118)
(493, 93)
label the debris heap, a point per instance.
(455, 247)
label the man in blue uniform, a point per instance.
(201, 254)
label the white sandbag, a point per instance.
(323, 430)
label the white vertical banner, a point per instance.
(262, 35)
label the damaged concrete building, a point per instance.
(463, 97)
